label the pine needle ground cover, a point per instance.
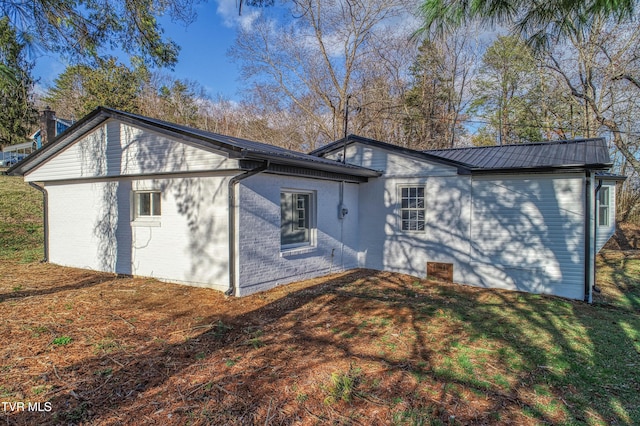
(361, 347)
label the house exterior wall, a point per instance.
(262, 263)
(391, 163)
(78, 214)
(527, 233)
(118, 149)
(91, 226)
(605, 232)
(502, 231)
(385, 246)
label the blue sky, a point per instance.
(204, 45)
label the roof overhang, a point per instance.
(467, 168)
(204, 140)
(353, 139)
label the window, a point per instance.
(147, 204)
(412, 208)
(296, 219)
(603, 206)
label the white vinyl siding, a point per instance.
(606, 213)
(528, 233)
(393, 164)
(385, 246)
(118, 149)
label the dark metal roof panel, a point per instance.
(554, 154)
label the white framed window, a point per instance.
(604, 206)
(147, 205)
(297, 218)
(412, 208)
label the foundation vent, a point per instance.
(440, 271)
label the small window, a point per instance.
(147, 204)
(412, 210)
(295, 219)
(604, 198)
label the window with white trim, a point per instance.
(604, 206)
(412, 210)
(296, 219)
(147, 204)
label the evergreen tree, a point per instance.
(505, 92)
(538, 22)
(426, 121)
(82, 88)
(16, 86)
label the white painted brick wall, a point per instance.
(262, 263)
(91, 228)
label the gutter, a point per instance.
(45, 219)
(232, 224)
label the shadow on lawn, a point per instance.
(623, 277)
(538, 344)
(93, 280)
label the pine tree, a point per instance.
(17, 113)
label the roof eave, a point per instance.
(462, 168)
(337, 168)
(558, 168)
(78, 129)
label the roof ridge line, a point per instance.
(552, 142)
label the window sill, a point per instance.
(294, 251)
(146, 223)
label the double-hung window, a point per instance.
(604, 207)
(147, 204)
(296, 219)
(412, 210)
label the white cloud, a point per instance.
(228, 10)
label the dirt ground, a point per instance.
(110, 351)
(96, 349)
(626, 237)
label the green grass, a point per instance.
(62, 340)
(21, 226)
(342, 386)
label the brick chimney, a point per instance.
(47, 125)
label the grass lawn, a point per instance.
(361, 347)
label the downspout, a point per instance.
(595, 233)
(588, 239)
(232, 223)
(45, 218)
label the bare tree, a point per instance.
(311, 62)
(600, 68)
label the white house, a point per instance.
(133, 195)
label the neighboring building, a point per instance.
(50, 128)
(134, 195)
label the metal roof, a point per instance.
(232, 147)
(564, 154)
(610, 176)
(339, 145)
(577, 153)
